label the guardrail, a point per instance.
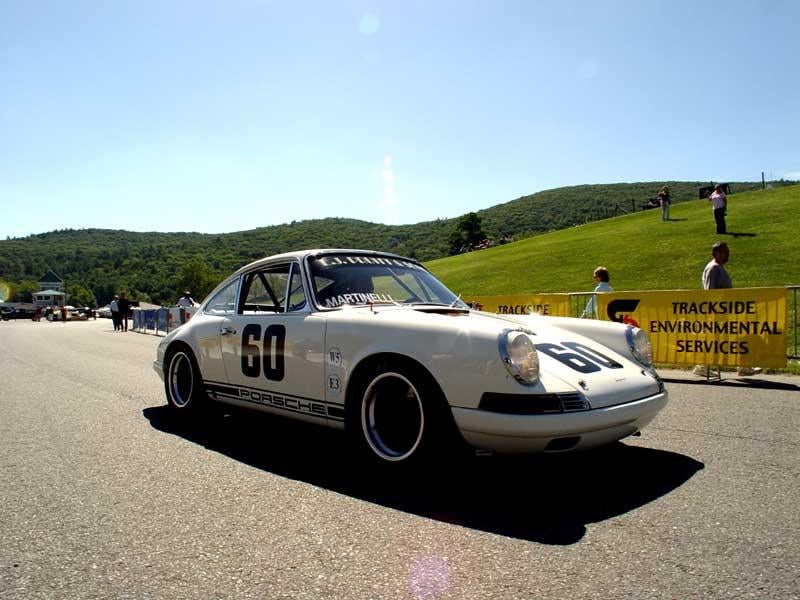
(160, 320)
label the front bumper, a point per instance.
(536, 433)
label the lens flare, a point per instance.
(369, 24)
(428, 577)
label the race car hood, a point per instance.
(607, 376)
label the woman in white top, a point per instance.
(601, 278)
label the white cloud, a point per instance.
(794, 175)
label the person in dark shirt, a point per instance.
(124, 306)
(664, 200)
(715, 277)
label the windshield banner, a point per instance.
(551, 305)
(732, 327)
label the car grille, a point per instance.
(573, 402)
(533, 404)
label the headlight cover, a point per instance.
(519, 355)
(640, 346)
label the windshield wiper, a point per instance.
(390, 302)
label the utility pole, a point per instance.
(763, 183)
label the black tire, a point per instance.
(397, 416)
(186, 395)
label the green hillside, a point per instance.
(641, 251)
(156, 266)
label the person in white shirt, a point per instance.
(186, 300)
(601, 278)
(719, 205)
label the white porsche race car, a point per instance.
(373, 343)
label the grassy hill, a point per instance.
(153, 266)
(641, 251)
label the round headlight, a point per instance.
(519, 356)
(640, 346)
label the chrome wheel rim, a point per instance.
(392, 417)
(181, 379)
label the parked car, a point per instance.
(374, 344)
(7, 313)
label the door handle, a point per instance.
(226, 330)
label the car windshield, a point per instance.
(353, 279)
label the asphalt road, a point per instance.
(102, 495)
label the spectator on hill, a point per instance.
(601, 278)
(124, 306)
(114, 306)
(719, 206)
(715, 277)
(664, 200)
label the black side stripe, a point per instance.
(285, 402)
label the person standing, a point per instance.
(114, 306)
(601, 278)
(715, 277)
(124, 306)
(184, 302)
(719, 206)
(664, 199)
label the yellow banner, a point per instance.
(734, 327)
(554, 305)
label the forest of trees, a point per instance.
(157, 267)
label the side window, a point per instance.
(297, 297)
(224, 301)
(265, 290)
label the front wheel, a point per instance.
(182, 382)
(396, 415)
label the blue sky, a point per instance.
(225, 116)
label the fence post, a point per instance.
(795, 321)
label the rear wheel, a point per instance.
(182, 382)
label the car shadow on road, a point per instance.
(546, 499)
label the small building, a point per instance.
(51, 291)
(51, 281)
(49, 298)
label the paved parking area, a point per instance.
(104, 496)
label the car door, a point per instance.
(273, 346)
(207, 330)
